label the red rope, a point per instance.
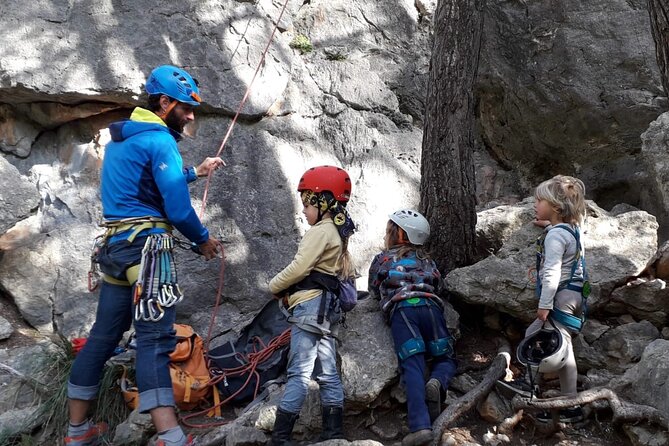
(253, 360)
(256, 358)
(219, 291)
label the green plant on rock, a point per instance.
(302, 43)
(335, 55)
(52, 414)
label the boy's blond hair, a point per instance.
(565, 193)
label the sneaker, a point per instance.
(509, 389)
(190, 441)
(433, 398)
(569, 415)
(418, 438)
(92, 436)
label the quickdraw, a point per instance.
(157, 285)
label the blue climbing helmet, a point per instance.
(175, 83)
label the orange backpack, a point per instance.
(188, 369)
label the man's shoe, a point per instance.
(92, 436)
(433, 398)
(418, 438)
(569, 415)
(190, 441)
(509, 389)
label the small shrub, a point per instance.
(302, 43)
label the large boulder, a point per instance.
(615, 349)
(568, 87)
(646, 382)
(368, 359)
(642, 298)
(617, 247)
(655, 150)
(18, 197)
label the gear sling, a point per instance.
(567, 319)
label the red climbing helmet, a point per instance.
(327, 178)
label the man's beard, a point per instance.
(174, 122)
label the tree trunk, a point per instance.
(659, 24)
(448, 188)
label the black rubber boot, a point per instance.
(332, 423)
(283, 428)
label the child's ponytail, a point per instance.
(345, 261)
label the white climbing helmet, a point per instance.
(414, 224)
(545, 349)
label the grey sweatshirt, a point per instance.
(560, 251)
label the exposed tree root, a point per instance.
(623, 411)
(462, 405)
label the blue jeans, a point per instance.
(307, 350)
(413, 367)
(155, 342)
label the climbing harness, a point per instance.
(573, 283)
(437, 346)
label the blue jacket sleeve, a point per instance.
(167, 168)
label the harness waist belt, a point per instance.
(137, 228)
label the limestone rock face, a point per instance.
(568, 87)
(645, 382)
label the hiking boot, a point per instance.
(190, 441)
(283, 428)
(433, 398)
(332, 423)
(418, 438)
(91, 437)
(569, 415)
(509, 389)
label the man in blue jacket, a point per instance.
(144, 189)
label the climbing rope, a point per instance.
(251, 363)
(257, 357)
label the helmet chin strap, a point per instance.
(163, 114)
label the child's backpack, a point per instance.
(348, 295)
(188, 370)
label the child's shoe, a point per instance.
(91, 437)
(433, 398)
(418, 438)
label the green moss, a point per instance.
(302, 43)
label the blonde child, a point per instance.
(310, 284)
(407, 282)
(561, 280)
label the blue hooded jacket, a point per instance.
(143, 175)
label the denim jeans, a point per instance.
(308, 352)
(155, 342)
(413, 367)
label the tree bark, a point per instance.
(448, 187)
(659, 24)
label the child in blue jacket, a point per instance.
(407, 281)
